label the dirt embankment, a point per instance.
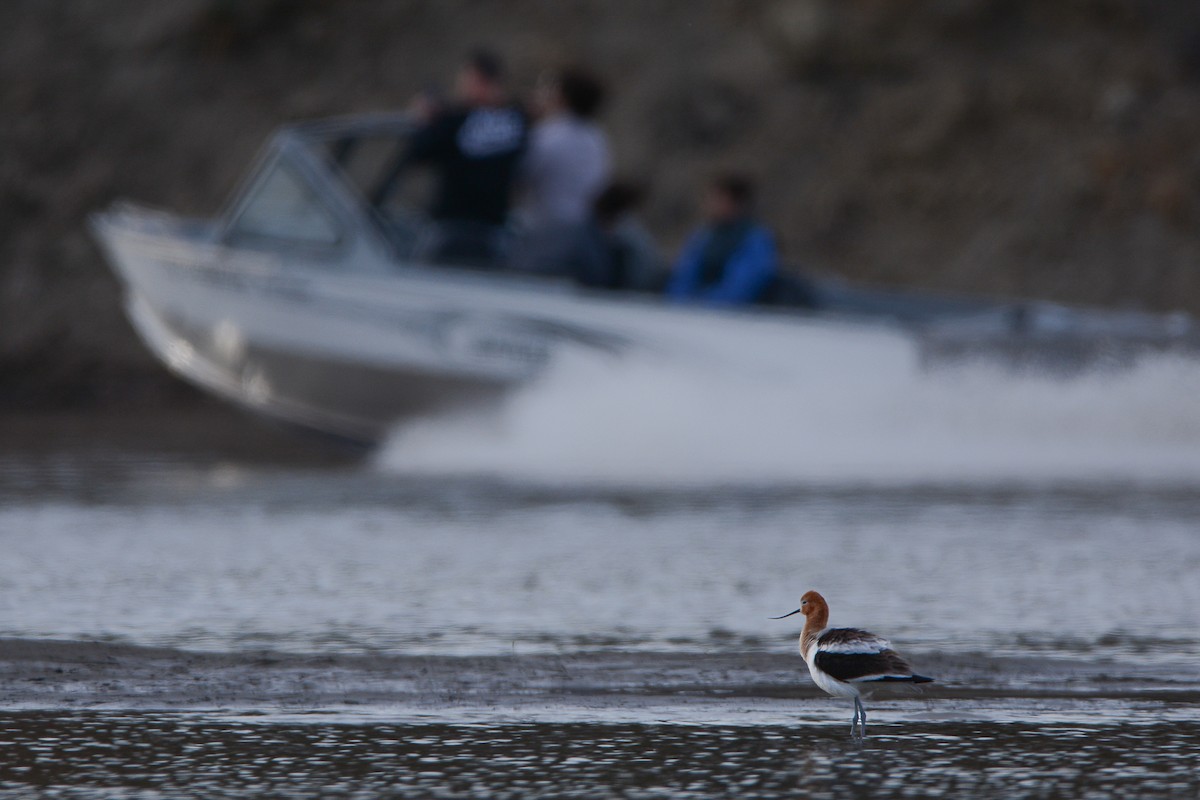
(1010, 147)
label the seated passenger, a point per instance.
(567, 163)
(475, 148)
(618, 252)
(731, 260)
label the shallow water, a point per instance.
(353, 560)
(174, 755)
(1059, 611)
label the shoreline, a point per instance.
(208, 432)
(80, 675)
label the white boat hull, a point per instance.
(355, 354)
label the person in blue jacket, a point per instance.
(731, 260)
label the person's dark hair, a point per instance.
(487, 63)
(617, 199)
(737, 187)
(582, 92)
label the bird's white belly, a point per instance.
(826, 683)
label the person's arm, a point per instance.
(648, 271)
(533, 160)
(686, 272)
(433, 140)
(603, 162)
(427, 143)
(749, 270)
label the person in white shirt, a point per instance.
(567, 164)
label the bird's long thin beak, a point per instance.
(797, 611)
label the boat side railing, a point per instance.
(330, 129)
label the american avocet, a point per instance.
(841, 660)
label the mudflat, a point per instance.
(46, 674)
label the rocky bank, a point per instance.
(1008, 147)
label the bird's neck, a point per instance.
(813, 625)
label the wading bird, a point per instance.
(841, 660)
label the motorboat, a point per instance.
(306, 302)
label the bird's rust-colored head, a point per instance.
(812, 606)
(812, 603)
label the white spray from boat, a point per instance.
(770, 406)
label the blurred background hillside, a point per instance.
(1021, 148)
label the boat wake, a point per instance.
(861, 415)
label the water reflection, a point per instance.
(181, 755)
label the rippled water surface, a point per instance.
(232, 556)
(164, 755)
(351, 559)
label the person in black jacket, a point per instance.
(475, 147)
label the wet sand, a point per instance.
(156, 755)
(95, 720)
(62, 675)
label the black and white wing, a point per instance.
(854, 656)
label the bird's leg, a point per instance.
(859, 717)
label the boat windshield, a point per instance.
(283, 208)
(364, 160)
